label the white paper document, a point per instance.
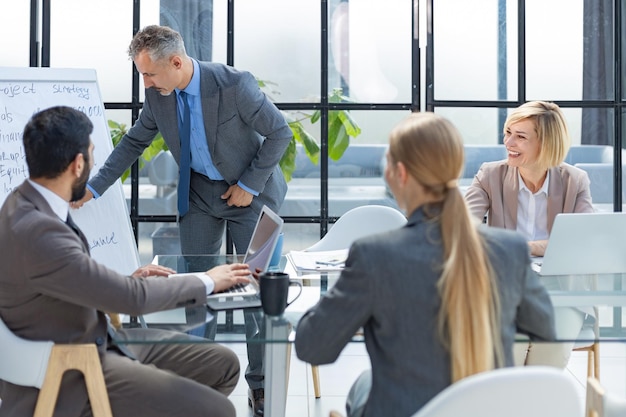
(303, 261)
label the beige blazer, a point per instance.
(495, 188)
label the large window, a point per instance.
(375, 61)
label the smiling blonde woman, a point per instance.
(525, 192)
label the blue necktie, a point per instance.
(185, 158)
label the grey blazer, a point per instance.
(51, 289)
(246, 134)
(389, 287)
(496, 186)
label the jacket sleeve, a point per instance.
(535, 314)
(127, 151)
(583, 203)
(326, 328)
(477, 195)
(256, 110)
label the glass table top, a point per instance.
(604, 293)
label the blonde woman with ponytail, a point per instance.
(440, 298)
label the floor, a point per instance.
(337, 378)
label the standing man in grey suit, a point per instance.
(237, 138)
(51, 289)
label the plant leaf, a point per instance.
(352, 128)
(288, 161)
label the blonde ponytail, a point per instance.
(469, 325)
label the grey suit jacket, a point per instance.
(51, 289)
(246, 134)
(496, 186)
(389, 287)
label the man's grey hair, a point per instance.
(160, 42)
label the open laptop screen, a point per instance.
(264, 239)
(586, 243)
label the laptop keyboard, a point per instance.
(238, 290)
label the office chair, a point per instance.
(600, 403)
(352, 225)
(356, 223)
(41, 364)
(537, 391)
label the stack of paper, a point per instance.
(303, 261)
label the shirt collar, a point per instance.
(543, 189)
(193, 88)
(59, 206)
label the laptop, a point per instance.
(258, 255)
(264, 238)
(585, 243)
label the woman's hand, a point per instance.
(538, 247)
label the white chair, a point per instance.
(41, 364)
(537, 391)
(352, 225)
(601, 403)
(359, 222)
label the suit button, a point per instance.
(99, 341)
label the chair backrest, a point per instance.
(601, 178)
(163, 169)
(359, 222)
(601, 403)
(23, 362)
(537, 391)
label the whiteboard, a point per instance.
(25, 91)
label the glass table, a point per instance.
(606, 293)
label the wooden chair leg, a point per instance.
(83, 358)
(594, 403)
(596, 360)
(316, 381)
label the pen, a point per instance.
(334, 262)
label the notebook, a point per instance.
(258, 255)
(585, 243)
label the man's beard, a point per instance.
(79, 186)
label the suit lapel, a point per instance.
(76, 229)
(210, 93)
(510, 192)
(165, 112)
(556, 196)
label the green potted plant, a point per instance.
(341, 127)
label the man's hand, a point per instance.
(225, 276)
(78, 204)
(152, 270)
(237, 196)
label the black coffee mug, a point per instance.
(274, 291)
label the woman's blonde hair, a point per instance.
(431, 149)
(550, 127)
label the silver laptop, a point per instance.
(268, 227)
(260, 249)
(585, 243)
